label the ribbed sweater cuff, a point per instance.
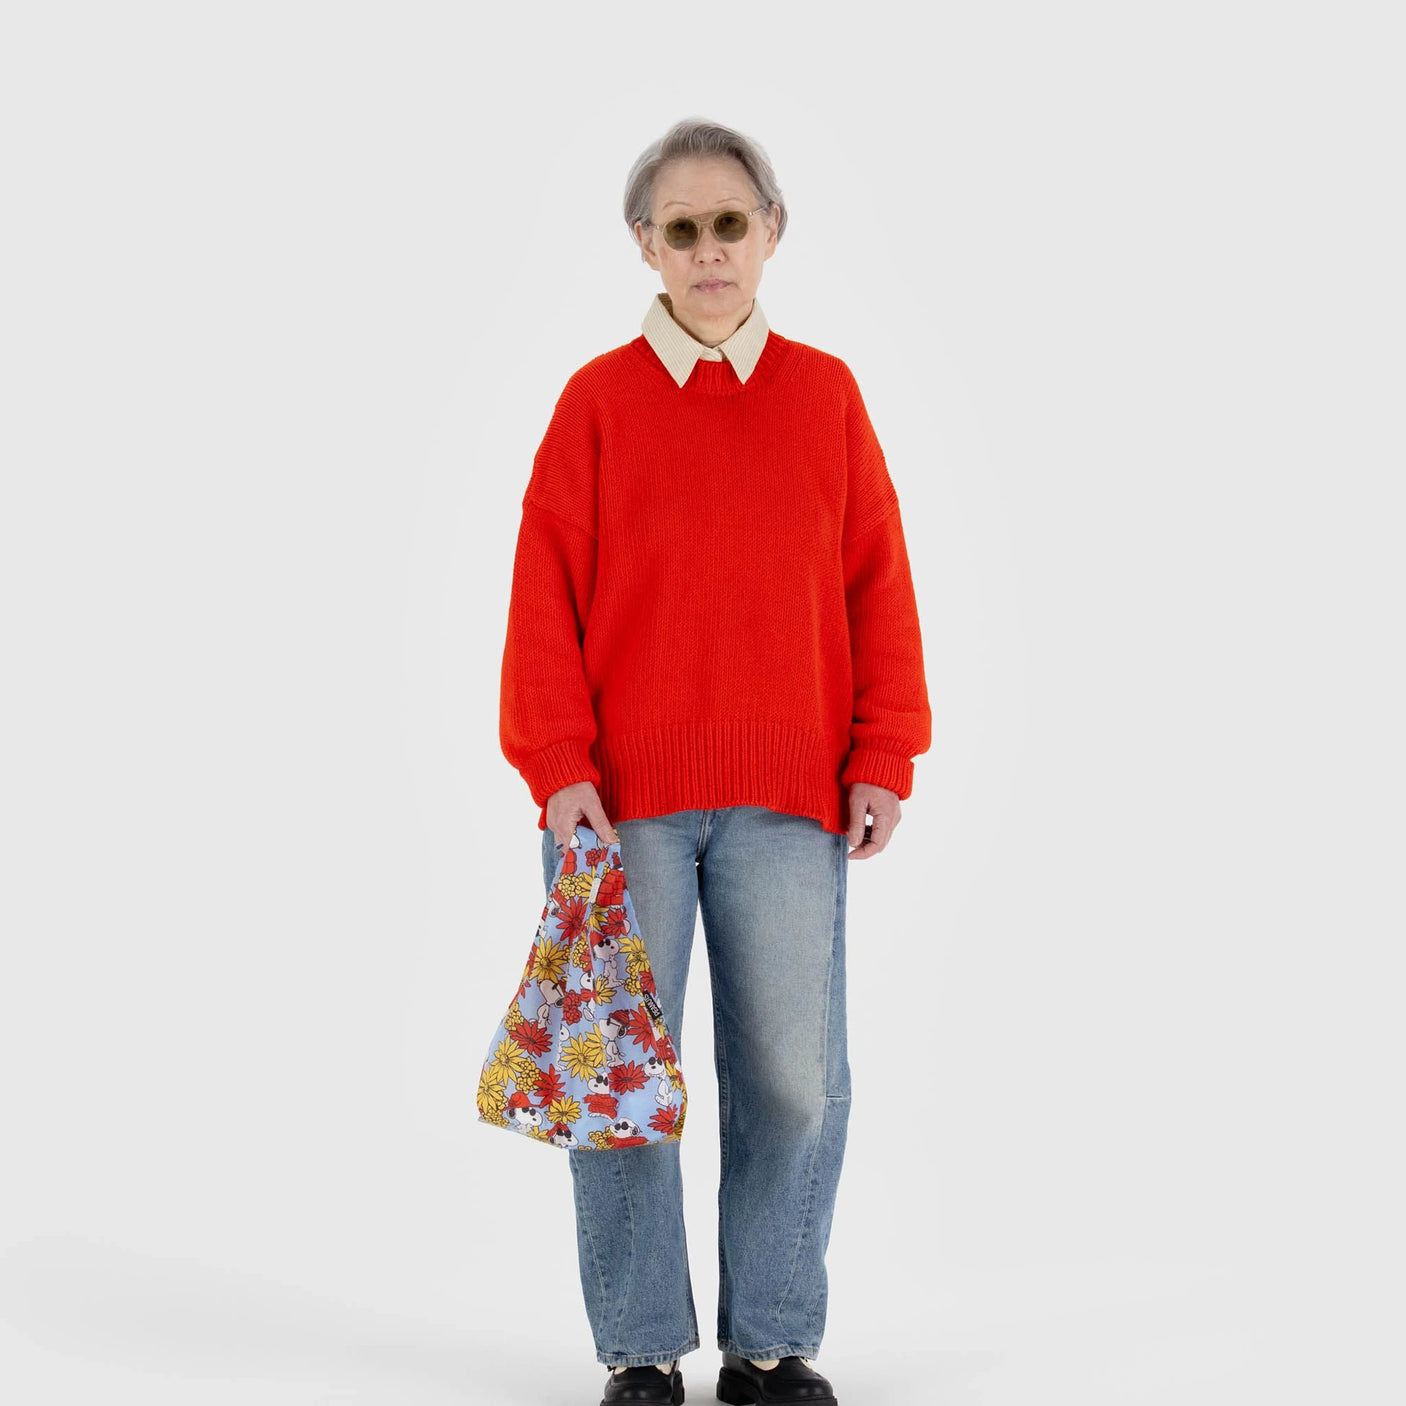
(562, 764)
(885, 769)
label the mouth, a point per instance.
(711, 285)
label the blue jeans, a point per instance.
(771, 887)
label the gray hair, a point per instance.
(695, 136)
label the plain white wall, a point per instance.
(289, 293)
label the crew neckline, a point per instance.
(720, 377)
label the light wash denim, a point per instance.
(771, 888)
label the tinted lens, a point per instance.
(730, 226)
(681, 234)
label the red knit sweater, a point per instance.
(711, 599)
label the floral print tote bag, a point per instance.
(582, 1060)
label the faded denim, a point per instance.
(771, 888)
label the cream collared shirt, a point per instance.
(678, 350)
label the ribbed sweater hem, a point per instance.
(707, 765)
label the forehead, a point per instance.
(687, 207)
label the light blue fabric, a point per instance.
(771, 888)
(583, 1060)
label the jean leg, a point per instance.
(772, 888)
(632, 1248)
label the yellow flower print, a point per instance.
(583, 1054)
(511, 1059)
(563, 1110)
(492, 1093)
(576, 885)
(550, 964)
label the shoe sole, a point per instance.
(736, 1390)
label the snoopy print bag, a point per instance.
(583, 1059)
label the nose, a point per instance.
(708, 243)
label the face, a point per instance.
(711, 285)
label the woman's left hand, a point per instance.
(882, 804)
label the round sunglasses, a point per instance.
(729, 226)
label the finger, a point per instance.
(884, 821)
(875, 837)
(858, 815)
(596, 815)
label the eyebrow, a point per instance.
(731, 204)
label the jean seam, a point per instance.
(803, 1349)
(583, 1214)
(841, 873)
(724, 1105)
(628, 1277)
(813, 1328)
(812, 1176)
(637, 1359)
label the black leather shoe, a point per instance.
(742, 1384)
(644, 1384)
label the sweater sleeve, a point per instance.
(892, 719)
(546, 721)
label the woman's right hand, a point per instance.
(578, 801)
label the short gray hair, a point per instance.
(695, 136)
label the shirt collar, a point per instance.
(678, 350)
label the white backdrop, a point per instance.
(289, 293)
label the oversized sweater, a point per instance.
(711, 600)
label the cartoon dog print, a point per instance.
(521, 1113)
(600, 1102)
(588, 995)
(606, 951)
(552, 995)
(611, 1027)
(664, 1090)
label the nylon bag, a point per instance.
(583, 1059)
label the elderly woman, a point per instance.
(713, 643)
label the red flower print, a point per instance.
(614, 922)
(531, 1037)
(549, 1086)
(625, 1077)
(640, 1029)
(575, 912)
